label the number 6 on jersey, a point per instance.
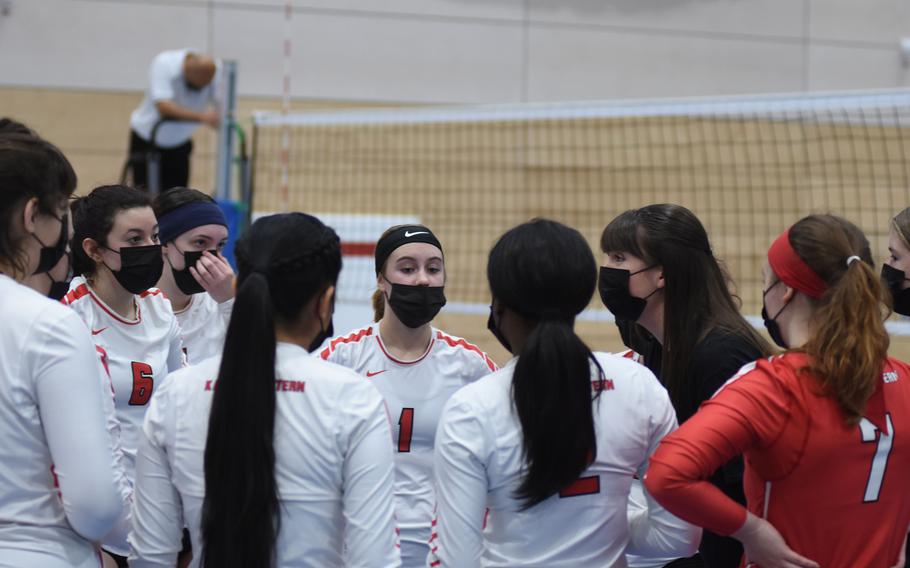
(143, 382)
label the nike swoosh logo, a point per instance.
(372, 374)
(407, 234)
(97, 331)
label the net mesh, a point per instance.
(748, 167)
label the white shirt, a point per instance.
(52, 429)
(415, 392)
(479, 465)
(167, 83)
(333, 466)
(204, 324)
(139, 353)
(115, 541)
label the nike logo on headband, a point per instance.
(408, 234)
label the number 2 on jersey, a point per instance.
(143, 382)
(406, 429)
(882, 450)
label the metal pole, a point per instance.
(226, 132)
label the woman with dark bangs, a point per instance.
(661, 275)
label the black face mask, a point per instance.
(497, 333)
(51, 255)
(894, 279)
(183, 278)
(771, 323)
(59, 289)
(140, 267)
(613, 286)
(416, 305)
(324, 333)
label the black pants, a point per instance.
(175, 163)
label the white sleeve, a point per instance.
(116, 539)
(176, 358)
(225, 309)
(161, 74)
(63, 363)
(157, 533)
(369, 481)
(653, 531)
(461, 488)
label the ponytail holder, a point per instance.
(852, 259)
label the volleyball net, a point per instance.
(747, 166)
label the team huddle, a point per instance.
(157, 409)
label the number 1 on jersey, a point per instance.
(882, 450)
(406, 429)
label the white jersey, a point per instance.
(115, 541)
(139, 353)
(57, 484)
(204, 324)
(479, 467)
(333, 466)
(415, 392)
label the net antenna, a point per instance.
(285, 110)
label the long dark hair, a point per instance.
(546, 272)
(93, 218)
(283, 262)
(697, 295)
(29, 167)
(849, 341)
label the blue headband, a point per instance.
(187, 217)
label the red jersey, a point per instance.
(838, 494)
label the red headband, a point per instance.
(792, 270)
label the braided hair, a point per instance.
(284, 261)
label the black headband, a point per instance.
(404, 235)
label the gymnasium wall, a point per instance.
(73, 69)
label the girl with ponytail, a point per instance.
(820, 426)
(270, 457)
(549, 444)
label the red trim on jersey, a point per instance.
(400, 362)
(358, 249)
(154, 292)
(468, 346)
(113, 314)
(73, 295)
(82, 290)
(352, 338)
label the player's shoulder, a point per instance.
(625, 379)
(779, 372)
(493, 392)
(351, 341)
(34, 308)
(154, 297)
(78, 294)
(201, 376)
(459, 347)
